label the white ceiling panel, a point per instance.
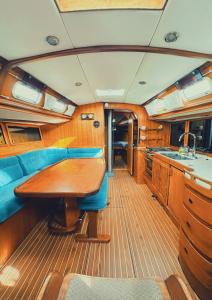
(110, 71)
(192, 20)
(24, 25)
(159, 72)
(61, 74)
(111, 27)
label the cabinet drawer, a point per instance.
(199, 205)
(197, 232)
(197, 264)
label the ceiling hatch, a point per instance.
(80, 5)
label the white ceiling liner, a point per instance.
(114, 71)
(24, 24)
(192, 20)
(159, 72)
(111, 27)
(61, 74)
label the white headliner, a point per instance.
(24, 24)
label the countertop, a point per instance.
(201, 166)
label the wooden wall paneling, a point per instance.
(77, 132)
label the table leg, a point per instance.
(92, 235)
(71, 218)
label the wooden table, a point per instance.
(69, 179)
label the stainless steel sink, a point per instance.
(176, 156)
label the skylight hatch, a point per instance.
(80, 5)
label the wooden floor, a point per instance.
(144, 243)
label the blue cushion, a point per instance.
(84, 152)
(33, 161)
(10, 170)
(97, 201)
(9, 202)
(56, 154)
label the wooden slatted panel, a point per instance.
(144, 243)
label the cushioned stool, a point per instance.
(92, 204)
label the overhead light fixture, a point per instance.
(110, 92)
(52, 40)
(79, 5)
(142, 82)
(171, 37)
(78, 83)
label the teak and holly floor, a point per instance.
(144, 242)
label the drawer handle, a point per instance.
(188, 224)
(190, 200)
(185, 249)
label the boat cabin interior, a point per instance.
(105, 149)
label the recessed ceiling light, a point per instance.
(142, 82)
(171, 37)
(52, 40)
(78, 83)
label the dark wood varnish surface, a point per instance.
(144, 242)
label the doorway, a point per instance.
(122, 132)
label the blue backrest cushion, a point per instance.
(10, 170)
(56, 154)
(85, 152)
(33, 161)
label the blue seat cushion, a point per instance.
(9, 202)
(97, 201)
(56, 154)
(33, 161)
(84, 152)
(10, 170)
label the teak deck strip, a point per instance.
(144, 242)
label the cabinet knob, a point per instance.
(185, 249)
(188, 224)
(190, 200)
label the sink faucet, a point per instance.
(194, 137)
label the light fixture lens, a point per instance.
(52, 40)
(142, 82)
(171, 37)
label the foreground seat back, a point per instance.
(85, 153)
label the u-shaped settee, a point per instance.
(15, 170)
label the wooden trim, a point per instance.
(33, 110)
(51, 287)
(106, 48)
(187, 126)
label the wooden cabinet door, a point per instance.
(156, 175)
(164, 182)
(176, 192)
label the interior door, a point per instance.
(130, 148)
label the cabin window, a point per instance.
(176, 130)
(203, 131)
(23, 134)
(2, 138)
(77, 5)
(26, 93)
(52, 103)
